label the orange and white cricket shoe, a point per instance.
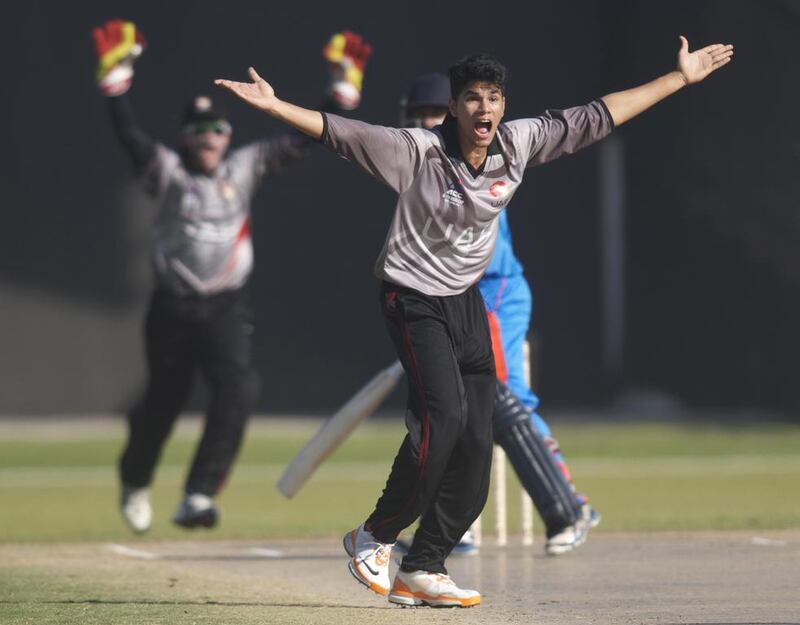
(413, 588)
(369, 562)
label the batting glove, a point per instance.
(118, 45)
(348, 55)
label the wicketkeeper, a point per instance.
(199, 320)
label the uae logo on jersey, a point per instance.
(499, 189)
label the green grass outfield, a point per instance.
(58, 483)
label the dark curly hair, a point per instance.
(477, 67)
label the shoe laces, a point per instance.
(382, 555)
(380, 551)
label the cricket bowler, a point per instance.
(518, 428)
(452, 182)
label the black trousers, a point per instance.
(441, 472)
(185, 335)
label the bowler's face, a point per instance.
(479, 108)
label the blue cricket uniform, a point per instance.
(507, 294)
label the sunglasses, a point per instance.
(219, 127)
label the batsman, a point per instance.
(451, 183)
(199, 320)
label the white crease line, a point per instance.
(768, 542)
(122, 550)
(267, 553)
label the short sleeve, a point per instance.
(541, 139)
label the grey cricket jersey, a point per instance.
(445, 223)
(201, 233)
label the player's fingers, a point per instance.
(251, 71)
(721, 57)
(352, 44)
(717, 64)
(719, 49)
(712, 48)
(99, 36)
(718, 56)
(684, 43)
(115, 31)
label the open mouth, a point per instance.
(483, 128)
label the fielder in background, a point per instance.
(518, 428)
(199, 319)
(439, 245)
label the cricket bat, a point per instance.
(337, 428)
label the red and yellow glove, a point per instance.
(118, 44)
(348, 55)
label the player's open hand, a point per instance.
(258, 93)
(695, 66)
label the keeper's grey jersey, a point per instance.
(445, 222)
(201, 233)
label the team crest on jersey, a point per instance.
(454, 194)
(499, 189)
(228, 192)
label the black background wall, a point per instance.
(712, 188)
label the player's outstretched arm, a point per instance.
(119, 44)
(692, 67)
(389, 154)
(260, 94)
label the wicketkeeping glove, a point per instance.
(348, 55)
(118, 44)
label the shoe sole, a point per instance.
(134, 528)
(207, 519)
(411, 601)
(377, 589)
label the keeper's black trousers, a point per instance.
(441, 471)
(185, 335)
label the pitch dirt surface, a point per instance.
(616, 578)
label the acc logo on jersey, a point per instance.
(499, 189)
(454, 194)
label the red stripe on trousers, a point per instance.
(426, 428)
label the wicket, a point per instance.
(499, 489)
